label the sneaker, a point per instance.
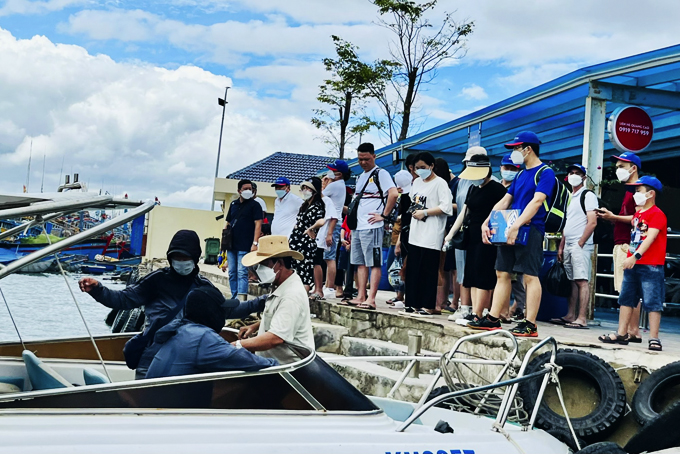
(518, 316)
(462, 312)
(484, 324)
(422, 314)
(407, 311)
(525, 329)
(398, 305)
(329, 292)
(467, 319)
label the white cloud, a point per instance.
(37, 7)
(131, 127)
(474, 91)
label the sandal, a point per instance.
(392, 300)
(316, 297)
(655, 345)
(365, 306)
(634, 339)
(607, 339)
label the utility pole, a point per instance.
(223, 103)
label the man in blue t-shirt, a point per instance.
(527, 195)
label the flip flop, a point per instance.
(366, 307)
(558, 321)
(576, 326)
(344, 303)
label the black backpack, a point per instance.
(555, 205)
(604, 231)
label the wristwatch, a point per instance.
(255, 243)
(238, 344)
(425, 214)
(637, 256)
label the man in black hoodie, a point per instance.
(162, 293)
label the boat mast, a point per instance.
(42, 182)
(28, 173)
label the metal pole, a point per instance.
(415, 342)
(593, 159)
(219, 147)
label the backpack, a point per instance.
(604, 231)
(555, 205)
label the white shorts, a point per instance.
(620, 254)
(577, 262)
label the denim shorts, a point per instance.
(331, 253)
(646, 282)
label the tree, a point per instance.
(417, 52)
(345, 95)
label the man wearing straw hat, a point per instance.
(286, 312)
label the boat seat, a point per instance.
(16, 381)
(9, 388)
(41, 375)
(94, 377)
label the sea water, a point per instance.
(43, 307)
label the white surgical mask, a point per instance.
(330, 174)
(306, 194)
(478, 182)
(574, 180)
(247, 194)
(183, 267)
(640, 198)
(266, 274)
(517, 157)
(508, 175)
(280, 193)
(423, 173)
(623, 175)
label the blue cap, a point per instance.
(339, 166)
(579, 167)
(281, 181)
(522, 138)
(647, 181)
(628, 156)
(506, 161)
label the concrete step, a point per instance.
(356, 346)
(374, 380)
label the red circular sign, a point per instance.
(630, 129)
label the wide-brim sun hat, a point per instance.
(477, 168)
(270, 247)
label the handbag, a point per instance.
(228, 233)
(460, 239)
(135, 347)
(353, 207)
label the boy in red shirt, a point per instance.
(643, 275)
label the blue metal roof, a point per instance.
(555, 111)
(296, 167)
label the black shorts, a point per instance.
(318, 257)
(450, 261)
(480, 262)
(522, 259)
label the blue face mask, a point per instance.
(280, 193)
(508, 175)
(478, 182)
(423, 173)
(183, 267)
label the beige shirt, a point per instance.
(286, 314)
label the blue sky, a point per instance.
(125, 92)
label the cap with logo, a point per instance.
(646, 181)
(628, 156)
(472, 151)
(281, 181)
(578, 167)
(339, 166)
(523, 137)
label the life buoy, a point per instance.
(648, 399)
(608, 384)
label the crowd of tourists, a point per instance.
(441, 241)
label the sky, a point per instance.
(125, 93)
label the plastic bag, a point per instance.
(394, 274)
(556, 281)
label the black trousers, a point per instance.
(422, 274)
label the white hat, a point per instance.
(473, 151)
(403, 180)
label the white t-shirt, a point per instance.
(285, 214)
(331, 213)
(371, 202)
(429, 232)
(576, 218)
(337, 191)
(286, 314)
(262, 203)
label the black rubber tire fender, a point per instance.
(603, 447)
(134, 321)
(612, 394)
(658, 434)
(119, 321)
(644, 398)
